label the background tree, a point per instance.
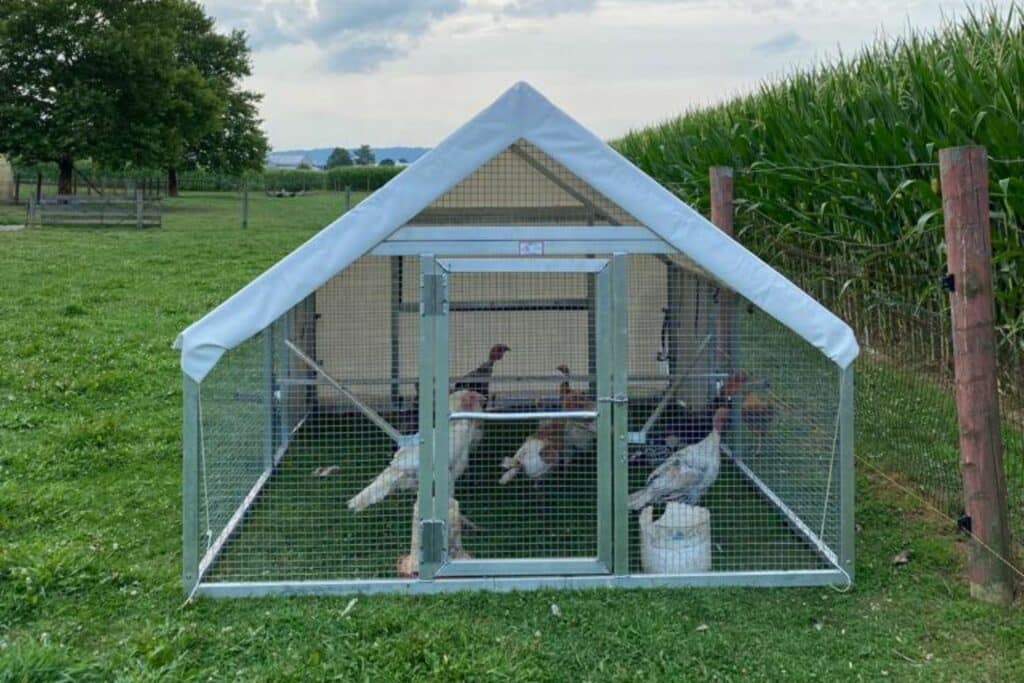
(364, 156)
(55, 87)
(386, 162)
(339, 157)
(238, 144)
(205, 103)
(138, 82)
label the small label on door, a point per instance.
(531, 248)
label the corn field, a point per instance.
(837, 185)
(839, 162)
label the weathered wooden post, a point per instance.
(721, 216)
(348, 197)
(964, 177)
(245, 206)
(39, 186)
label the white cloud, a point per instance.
(388, 72)
(546, 8)
(354, 35)
(782, 42)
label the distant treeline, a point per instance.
(358, 178)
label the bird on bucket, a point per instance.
(687, 473)
(403, 472)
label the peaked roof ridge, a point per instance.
(520, 112)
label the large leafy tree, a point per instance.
(231, 140)
(339, 157)
(364, 156)
(55, 80)
(140, 82)
(237, 144)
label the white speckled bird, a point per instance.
(402, 473)
(687, 473)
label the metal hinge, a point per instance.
(432, 535)
(433, 299)
(617, 398)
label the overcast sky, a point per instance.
(407, 72)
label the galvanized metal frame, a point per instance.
(620, 414)
(846, 475)
(602, 564)
(752, 579)
(506, 248)
(526, 265)
(611, 290)
(191, 445)
(428, 562)
(602, 359)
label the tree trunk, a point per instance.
(172, 181)
(66, 165)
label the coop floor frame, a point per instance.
(609, 569)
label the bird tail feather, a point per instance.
(511, 470)
(378, 490)
(639, 499)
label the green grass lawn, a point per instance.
(90, 519)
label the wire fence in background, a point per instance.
(906, 410)
(42, 180)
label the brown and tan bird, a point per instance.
(579, 434)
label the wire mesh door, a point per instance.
(522, 434)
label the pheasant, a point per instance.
(403, 471)
(479, 380)
(687, 473)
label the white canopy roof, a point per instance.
(521, 112)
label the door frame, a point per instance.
(609, 414)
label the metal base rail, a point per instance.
(760, 579)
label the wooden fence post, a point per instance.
(245, 207)
(139, 202)
(39, 186)
(963, 174)
(721, 216)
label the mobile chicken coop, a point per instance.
(521, 363)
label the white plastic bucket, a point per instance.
(678, 542)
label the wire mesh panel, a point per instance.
(525, 342)
(301, 425)
(768, 499)
(523, 186)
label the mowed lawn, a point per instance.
(90, 519)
